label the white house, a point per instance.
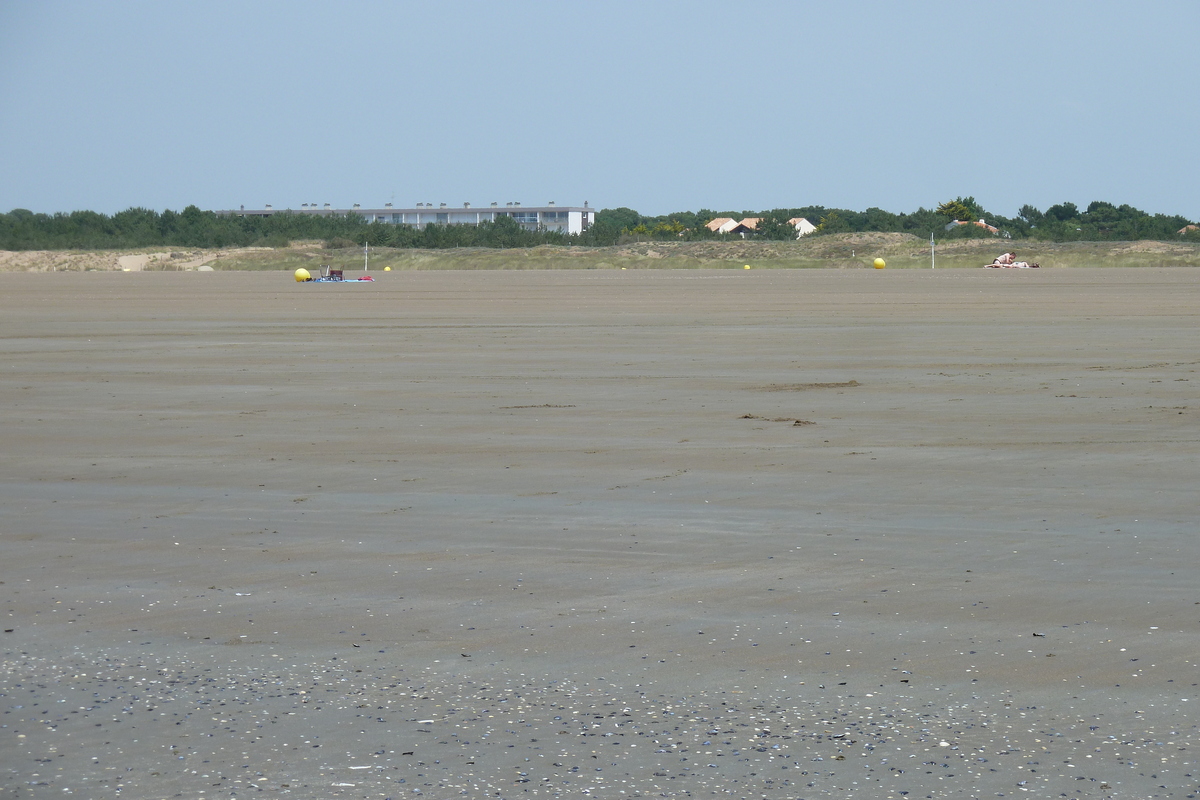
(803, 227)
(722, 225)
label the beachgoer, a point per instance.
(1012, 265)
(1005, 259)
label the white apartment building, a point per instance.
(551, 217)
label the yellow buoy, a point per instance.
(387, 269)
(746, 267)
(302, 275)
(880, 263)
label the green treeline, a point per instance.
(139, 227)
(1064, 222)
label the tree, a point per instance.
(667, 229)
(623, 219)
(378, 234)
(774, 226)
(504, 231)
(600, 233)
(960, 209)
(832, 222)
(921, 222)
(1030, 215)
(136, 227)
(1062, 212)
(876, 219)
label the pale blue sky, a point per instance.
(657, 106)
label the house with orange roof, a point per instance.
(748, 225)
(722, 225)
(803, 227)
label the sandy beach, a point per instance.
(601, 533)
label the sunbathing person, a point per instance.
(1006, 261)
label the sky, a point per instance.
(656, 106)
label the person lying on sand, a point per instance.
(1007, 261)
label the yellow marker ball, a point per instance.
(880, 263)
(302, 275)
(387, 269)
(746, 267)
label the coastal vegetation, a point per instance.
(830, 251)
(21, 229)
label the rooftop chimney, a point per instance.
(466, 205)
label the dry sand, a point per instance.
(600, 534)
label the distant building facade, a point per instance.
(551, 217)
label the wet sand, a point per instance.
(776, 534)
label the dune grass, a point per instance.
(839, 251)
